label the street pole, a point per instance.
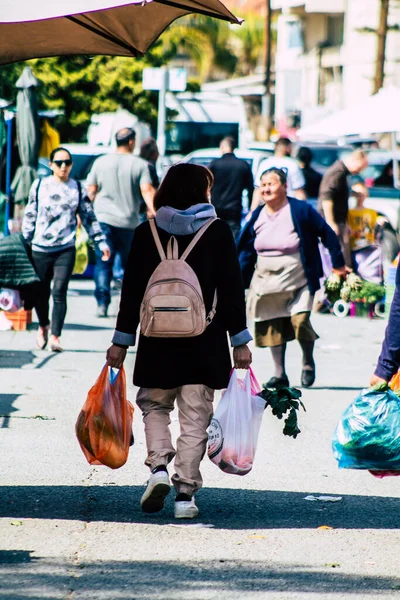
(161, 138)
(381, 45)
(9, 123)
(266, 103)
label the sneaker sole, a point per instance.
(155, 501)
(192, 515)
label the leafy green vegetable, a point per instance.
(284, 400)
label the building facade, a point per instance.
(326, 55)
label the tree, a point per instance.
(80, 86)
(381, 33)
(249, 38)
(205, 40)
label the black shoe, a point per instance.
(278, 382)
(101, 311)
(307, 377)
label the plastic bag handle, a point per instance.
(255, 387)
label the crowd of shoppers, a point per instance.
(195, 216)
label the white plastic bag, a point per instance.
(10, 300)
(233, 432)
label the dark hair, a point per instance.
(282, 174)
(229, 141)
(59, 149)
(183, 186)
(283, 141)
(124, 136)
(305, 155)
(148, 149)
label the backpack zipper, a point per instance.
(169, 309)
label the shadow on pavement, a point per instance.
(17, 359)
(130, 580)
(6, 408)
(81, 327)
(337, 388)
(224, 508)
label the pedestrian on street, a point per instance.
(185, 369)
(389, 359)
(281, 266)
(282, 160)
(232, 176)
(149, 152)
(386, 178)
(117, 183)
(311, 176)
(333, 200)
(49, 225)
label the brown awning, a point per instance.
(31, 30)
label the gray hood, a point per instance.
(184, 222)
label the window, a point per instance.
(335, 35)
(295, 34)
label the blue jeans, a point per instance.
(118, 240)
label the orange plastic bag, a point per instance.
(104, 425)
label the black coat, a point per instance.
(205, 359)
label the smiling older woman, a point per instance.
(281, 266)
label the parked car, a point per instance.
(324, 155)
(83, 156)
(385, 200)
(205, 156)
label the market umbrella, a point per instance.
(114, 27)
(377, 114)
(27, 135)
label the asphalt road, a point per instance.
(74, 532)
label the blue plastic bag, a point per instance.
(368, 433)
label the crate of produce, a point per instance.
(20, 319)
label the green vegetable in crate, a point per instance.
(333, 283)
(345, 293)
(354, 281)
(370, 293)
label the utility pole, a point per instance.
(266, 103)
(381, 45)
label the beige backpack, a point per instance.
(173, 304)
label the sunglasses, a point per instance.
(60, 163)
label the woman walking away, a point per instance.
(50, 224)
(170, 366)
(280, 261)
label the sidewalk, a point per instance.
(74, 532)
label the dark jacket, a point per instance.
(389, 360)
(205, 359)
(232, 175)
(310, 227)
(334, 187)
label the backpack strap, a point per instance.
(197, 237)
(157, 240)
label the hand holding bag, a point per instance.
(234, 429)
(104, 425)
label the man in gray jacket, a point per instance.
(117, 183)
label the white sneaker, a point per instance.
(186, 509)
(158, 488)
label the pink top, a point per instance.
(275, 233)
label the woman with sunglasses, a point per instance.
(281, 266)
(49, 225)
